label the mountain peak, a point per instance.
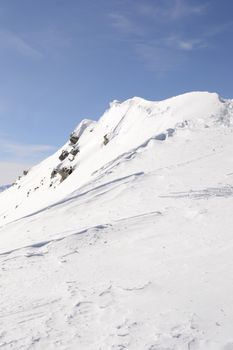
(123, 129)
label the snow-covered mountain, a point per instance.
(123, 238)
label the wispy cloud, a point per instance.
(124, 24)
(167, 53)
(23, 152)
(171, 9)
(182, 8)
(12, 41)
(183, 43)
(157, 57)
(166, 39)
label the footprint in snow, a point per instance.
(84, 312)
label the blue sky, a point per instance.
(65, 60)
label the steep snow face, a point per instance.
(133, 249)
(126, 127)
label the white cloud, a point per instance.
(183, 43)
(190, 44)
(12, 41)
(186, 45)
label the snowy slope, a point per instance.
(133, 250)
(128, 125)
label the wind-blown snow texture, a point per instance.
(133, 250)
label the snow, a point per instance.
(133, 250)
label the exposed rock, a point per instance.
(170, 132)
(106, 140)
(182, 124)
(65, 172)
(53, 173)
(161, 137)
(74, 151)
(73, 138)
(63, 155)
